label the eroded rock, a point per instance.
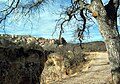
(57, 67)
(21, 66)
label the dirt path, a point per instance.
(97, 71)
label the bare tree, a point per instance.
(81, 12)
(106, 17)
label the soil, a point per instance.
(95, 71)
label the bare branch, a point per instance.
(75, 12)
(19, 6)
(9, 6)
(8, 11)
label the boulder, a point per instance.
(56, 68)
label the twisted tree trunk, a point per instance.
(107, 22)
(112, 41)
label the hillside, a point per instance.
(29, 60)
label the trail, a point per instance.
(97, 71)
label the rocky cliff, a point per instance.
(29, 60)
(21, 59)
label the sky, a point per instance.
(43, 25)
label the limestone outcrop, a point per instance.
(59, 66)
(29, 60)
(21, 60)
(21, 40)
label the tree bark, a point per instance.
(112, 42)
(107, 22)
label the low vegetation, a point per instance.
(24, 64)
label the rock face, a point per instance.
(58, 66)
(19, 65)
(53, 68)
(24, 58)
